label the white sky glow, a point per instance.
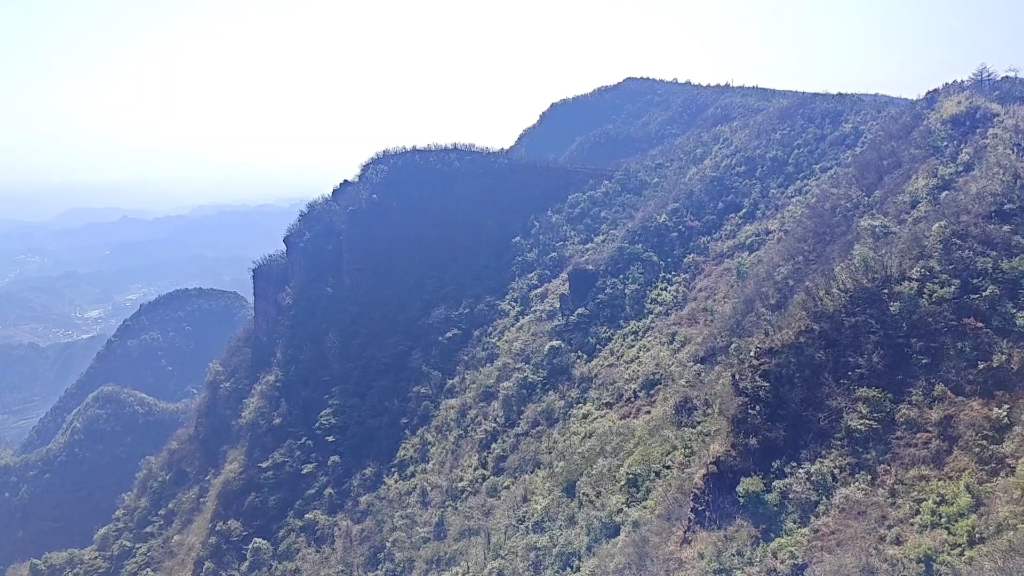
(159, 103)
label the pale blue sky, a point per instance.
(161, 103)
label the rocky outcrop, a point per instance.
(582, 281)
(270, 277)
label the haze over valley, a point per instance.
(84, 271)
(66, 283)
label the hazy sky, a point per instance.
(161, 103)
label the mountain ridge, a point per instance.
(782, 337)
(220, 311)
(63, 482)
(34, 376)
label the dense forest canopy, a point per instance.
(58, 496)
(675, 329)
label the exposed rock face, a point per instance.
(581, 283)
(349, 244)
(269, 278)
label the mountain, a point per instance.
(675, 329)
(65, 479)
(32, 377)
(162, 350)
(56, 497)
(294, 205)
(62, 281)
(634, 117)
(79, 216)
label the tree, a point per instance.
(259, 558)
(983, 75)
(1013, 71)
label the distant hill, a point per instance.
(162, 350)
(65, 479)
(210, 209)
(80, 216)
(57, 497)
(32, 377)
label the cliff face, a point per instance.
(270, 277)
(358, 324)
(405, 210)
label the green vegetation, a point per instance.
(762, 333)
(124, 408)
(163, 350)
(32, 377)
(59, 496)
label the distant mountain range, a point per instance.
(92, 215)
(79, 274)
(21, 207)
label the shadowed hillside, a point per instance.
(32, 377)
(126, 405)
(162, 350)
(765, 333)
(57, 497)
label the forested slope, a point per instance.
(784, 336)
(58, 496)
(124, 408)
(162, 350)
(33, 376)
